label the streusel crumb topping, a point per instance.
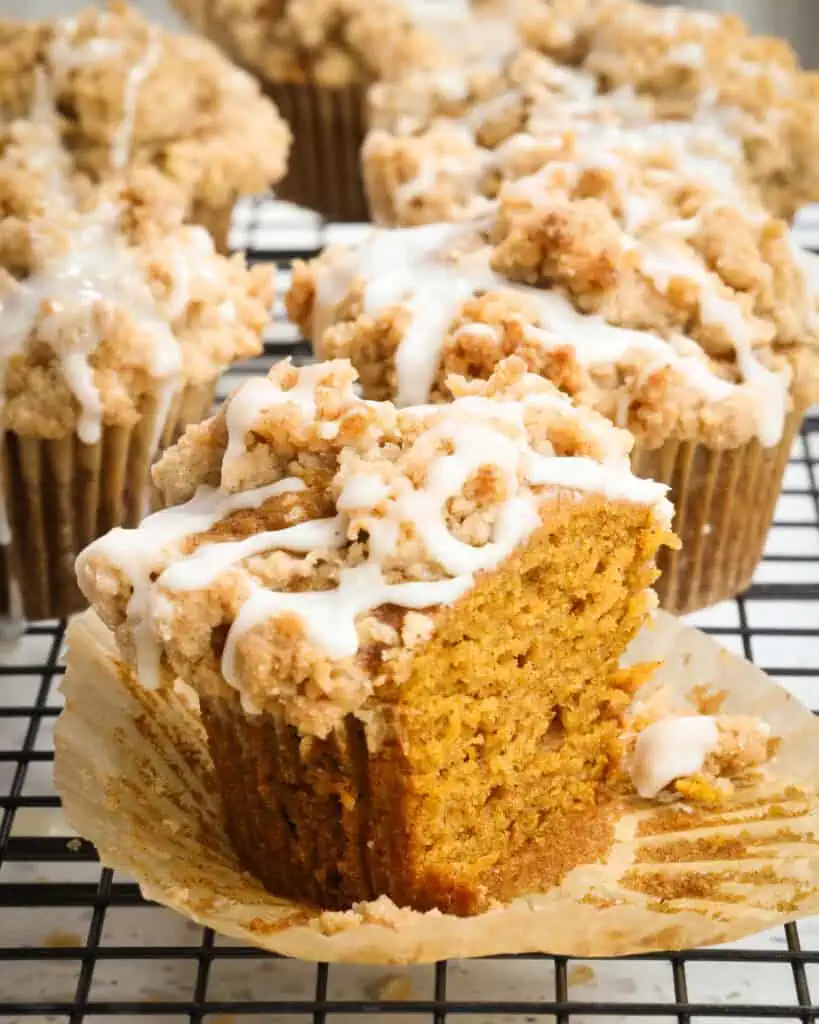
(130, 94)
(696, 65)
(109, 300)
(635, 272)
(512, 125)
(320, 535)
(333, 43)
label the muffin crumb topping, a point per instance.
(320, 534)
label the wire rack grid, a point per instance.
(78, 942)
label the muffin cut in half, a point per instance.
(118, 319)
(403, 627)
(645, 280)
(131, 95)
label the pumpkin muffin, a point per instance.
(317, 58)
(131, 96)
(442, 143)
(118, 318)
(403, 627)
(640, 280)
(700, 67)
(441, 139)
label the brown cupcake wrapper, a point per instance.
(216, 220)
(328, 126)
(315, 805)
(725, 502)
(62, 494)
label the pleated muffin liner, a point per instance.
(61, 494)
(216, 220)
(725, 502)
(135, 776)
(328, 126)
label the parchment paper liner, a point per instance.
(725, 502)
(61, 494)
(134, 774)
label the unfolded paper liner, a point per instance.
(61, 494)
(724, 502)
(133, 770)
(328, 126)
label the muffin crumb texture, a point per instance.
(332, 43)
(698, 758)
(336, 578)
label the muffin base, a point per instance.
(725, 502)
(61, 494)
(321, 822)
(324, 171)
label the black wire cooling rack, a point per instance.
(78, 942)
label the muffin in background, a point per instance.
(701, 67)
(643, 278)
(131, 95)
(317, 58)
(118, 319)
(404, 628)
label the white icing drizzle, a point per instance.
(138, 553)
(407, 267)
(260, 394)
(136, 75)
(93, 270)
(453, 443)
(65, 54)
(670, 749)
(70, 293)
(96, 270)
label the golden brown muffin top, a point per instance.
(698, 65)
(499, 128)
(108, 300)
(333, 43)
(623, 62)
(130, 94)
(644, 278)
(321, 533)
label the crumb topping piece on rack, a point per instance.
(107, 297)
(697, 757)
(314, 536)
(131, 95)
(632, 270)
